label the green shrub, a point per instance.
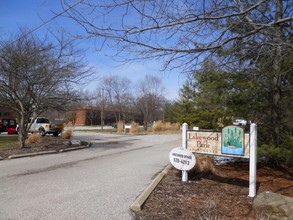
(273, 155)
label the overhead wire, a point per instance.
(46, 22)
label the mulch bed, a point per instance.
(47, 143)
(223, 195)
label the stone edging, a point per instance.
(48, 152)
(136, 205)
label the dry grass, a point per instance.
(67, 134)
(204, 164)
(69, 124)
(133, 128)
(34, 138)
(120, 127)
(160, 126)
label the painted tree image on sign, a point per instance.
(233, 140)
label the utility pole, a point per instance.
(102, 109)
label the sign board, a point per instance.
(232, 141)
(182, 159)
(127, 126)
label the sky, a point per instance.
(15, 14)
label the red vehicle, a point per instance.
(8, 125)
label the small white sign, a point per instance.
(182, 159)
(127, 126)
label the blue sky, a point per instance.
(30, 13)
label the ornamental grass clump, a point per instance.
(67, 134)
(204, 164)
(171, 126)
(120, 127)
(160, 126)
(34, 138)
(133, 128)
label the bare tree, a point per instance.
(149, 95)
(117, 92)
(37, 76)
(181, 31)
(184, 33)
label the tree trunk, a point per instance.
(277, 76)
(22, 132)
(276, 109)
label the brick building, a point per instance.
(91, 115)
(6, 113)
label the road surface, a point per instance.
(100, 182)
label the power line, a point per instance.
(46, 22)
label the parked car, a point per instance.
(241, 122)
(43, 126)
(114, 125)
(8, 125)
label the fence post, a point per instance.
(184, 145)
(252, 160)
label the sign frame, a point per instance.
(250, 142)
(209, 142)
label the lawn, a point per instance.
(8, 140)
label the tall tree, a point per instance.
(118, 92)
(149, 96)
(181, 31)
(37, 76)
(203, 98)
(185, 32)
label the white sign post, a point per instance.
(252, 160)
(181, 158)
(184, 145)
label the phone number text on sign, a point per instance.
(182, 159)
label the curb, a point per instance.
(32, 154)
(136, 205)
(72, 148)
(48, 152)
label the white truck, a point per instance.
(43, 126)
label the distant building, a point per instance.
(91, 115)
(6, 113)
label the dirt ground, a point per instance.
(223, 195)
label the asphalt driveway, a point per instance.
(100, 182)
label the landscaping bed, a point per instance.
(222, 195)
(47, 143)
